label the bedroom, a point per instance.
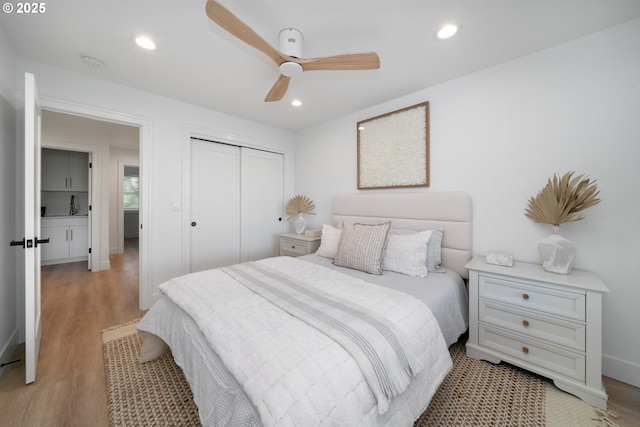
(569, 107)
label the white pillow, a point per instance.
(434, 246)
(434, 250)
(329, 241)
(407, 254)
(362, 247)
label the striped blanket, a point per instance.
(312, 346)
(380, 349)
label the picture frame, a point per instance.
(393, 149)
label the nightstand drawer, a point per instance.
(548, 357)
(569, 334)
(539, 298)
(293, 247)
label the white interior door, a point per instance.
(262, 203)
(214, 205)
(32, 298)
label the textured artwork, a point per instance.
(393, 149)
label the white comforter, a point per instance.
(294, 374)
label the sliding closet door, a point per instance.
(215, 205)
(262, 189)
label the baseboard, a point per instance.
(621, 370)
(7, 350)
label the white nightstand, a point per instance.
(547, 323)
(291, 244)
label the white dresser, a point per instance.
(547, 323)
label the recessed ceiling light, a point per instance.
(296, 103)
(145, 42)
(447, 31)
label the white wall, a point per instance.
(9, 321)
(498, 134)
(168, 125)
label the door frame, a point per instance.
(100, 202)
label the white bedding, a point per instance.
(445, 293)
(353, 401)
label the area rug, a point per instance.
(475, 393)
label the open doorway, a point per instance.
(115, 144)
(129, 210)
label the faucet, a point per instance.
(73, 209)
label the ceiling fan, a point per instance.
(288, 57)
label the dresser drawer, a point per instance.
(545, 356)
(544, 299)
(569, 334)
(292, 248)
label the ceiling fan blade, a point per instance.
(350, 61)
(227, 20)
(279, 89)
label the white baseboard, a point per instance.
(7, 350)
(621, 370)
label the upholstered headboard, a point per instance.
(450, 211)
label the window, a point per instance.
(131, 189)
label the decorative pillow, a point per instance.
(434, 246)
(152, 347)
(434, 250)
(361, 247)
(407, 254)
(329, 241)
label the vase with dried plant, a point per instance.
(297, 207)
(559, 202)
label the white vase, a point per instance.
(557, 253)
(300, 223)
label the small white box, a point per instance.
(499, 258)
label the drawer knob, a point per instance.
(525, 350)
(525, 296)
(525, 323)
(293, 246)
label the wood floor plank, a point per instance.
(70, 387)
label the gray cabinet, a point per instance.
(68, 240)
(64, 170)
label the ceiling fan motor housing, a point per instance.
(291, 41)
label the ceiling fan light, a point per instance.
(290, 69)
(447, 31)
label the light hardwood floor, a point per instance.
(70, 389)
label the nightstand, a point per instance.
(547, 323)
(291, 244)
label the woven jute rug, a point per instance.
(475, 393)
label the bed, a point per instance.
(267, 343)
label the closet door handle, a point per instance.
(72, 234)
(66, 234)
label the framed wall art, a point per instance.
(393, 149)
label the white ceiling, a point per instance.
(200, 63)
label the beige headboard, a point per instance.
(450, 211)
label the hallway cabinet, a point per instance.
(68, 239)
(64, 170)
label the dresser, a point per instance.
(547, 323)
(291, 244)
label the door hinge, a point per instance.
(89, 250)
(90, 165)
(89, 207)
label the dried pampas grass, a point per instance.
(299, 205)
(562, 198)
